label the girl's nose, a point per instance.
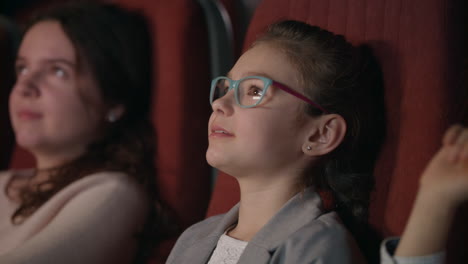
(224, 104)
(27, 85)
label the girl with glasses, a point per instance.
(81, 106)
(298, 121)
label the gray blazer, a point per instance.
(299, 233)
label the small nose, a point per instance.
(224, 105)
(27, 85)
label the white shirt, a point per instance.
(228, 250)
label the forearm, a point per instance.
(443, 187)
(428, 226)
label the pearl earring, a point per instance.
(309, 148)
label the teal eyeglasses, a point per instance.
(249, 91)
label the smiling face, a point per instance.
(268, 138)
(56, 109)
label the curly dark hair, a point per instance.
(115, 45)
(347, 81)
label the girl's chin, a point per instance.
(215, 161)
(211, 160)
(29, 142)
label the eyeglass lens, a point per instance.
(249, 92)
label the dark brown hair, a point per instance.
(116, 46)
(347, 81)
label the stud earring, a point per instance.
(111, 118)
(309, 148)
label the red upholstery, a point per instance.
(419, 46)
(225, 195)
(181, 108)
(21, 159)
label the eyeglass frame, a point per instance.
(234, 84)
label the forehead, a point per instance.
(266, 60)
(45, 40)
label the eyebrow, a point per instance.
(53, 60)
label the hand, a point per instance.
(446, 177)
(443, 186)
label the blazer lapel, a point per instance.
(299, 210)
(200, 252)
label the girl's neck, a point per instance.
(45, 163)
(52, 158)
(259, 203)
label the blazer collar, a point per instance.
(200, 252)
(298, 211)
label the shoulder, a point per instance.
(94, 219)
(101, 191)
(328, 225)
(109, 201)
(106, 177)
(112, 187)
(321, 239)
(107, 182)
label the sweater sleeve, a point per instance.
(387, 250)
(98, 224)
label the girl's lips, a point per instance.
(217, 131)
(29, 115)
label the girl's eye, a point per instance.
(20, 70)
(58, 72)
(255, 91)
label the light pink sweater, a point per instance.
(93, 220)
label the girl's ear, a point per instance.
(326, 136)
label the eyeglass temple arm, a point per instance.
(298, 95)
